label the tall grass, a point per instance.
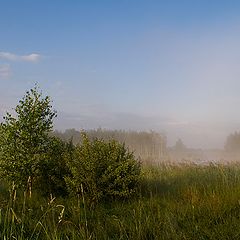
(173, 202)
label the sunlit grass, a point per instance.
(173, 202)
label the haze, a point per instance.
(169, 66)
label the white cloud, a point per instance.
(5, 71)
(33, 57)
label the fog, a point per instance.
(151, 147)
(202, 135)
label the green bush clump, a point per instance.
(102, 170)
(53, 168)
(30, 158)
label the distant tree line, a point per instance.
(148, 146)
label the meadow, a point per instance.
(174, 201)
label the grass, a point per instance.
(173, 202)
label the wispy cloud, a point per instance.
(5, 71)
(33, 57)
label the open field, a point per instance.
(119, 120)
(173, 202)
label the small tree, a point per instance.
(179, 146)
(24, 137)
(101, 170)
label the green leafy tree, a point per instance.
(25, 137)
(102, 170)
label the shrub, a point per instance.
(102, 170)
(52, 169)
(30, 156)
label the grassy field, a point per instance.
(173, 202)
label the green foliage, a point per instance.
(31, 158)
(49, 177)
(24, 139)
(102, 170)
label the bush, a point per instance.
(32, 159)
(52, 169)
(102, 170)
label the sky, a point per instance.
(168, 65)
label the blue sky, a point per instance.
(171, 66)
